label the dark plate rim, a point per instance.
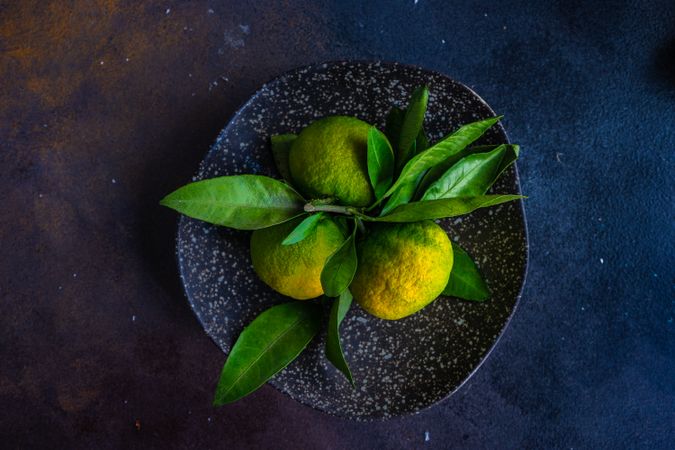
(314, 66)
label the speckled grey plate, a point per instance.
(400, 367)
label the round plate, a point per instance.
(400, 367)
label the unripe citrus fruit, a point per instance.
(402, 268)
(294, 270)
(329, 159)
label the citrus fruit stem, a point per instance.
(347, 210)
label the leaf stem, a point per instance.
(323, 201)
(347, 210)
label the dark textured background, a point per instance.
(106, 106)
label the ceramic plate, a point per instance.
(400, 366)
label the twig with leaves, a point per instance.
(412, 181)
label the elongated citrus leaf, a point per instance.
(304, 229)
(440, 151)
(244, 202)
(341, 222)
(465, 279)
(380, 162)
(407, 191)
(421, 143)
(340, 267)
(413, 173)
(435, 172)
(392, 127)
(401, 196)
(512, 153)
(334, 351)
(411, 126)
(470, 176)
(439, 209)
(281, 146)
(274, 339)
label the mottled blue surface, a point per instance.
(588, 90)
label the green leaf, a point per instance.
(472, 175)
(421, 143)
(334, 352)
(274, 339)
(340, 267)
(437, 171)
(380, 162)
(281, 146)
(512, 153)
(401, 196)
(439, 209)
(392, 127)
(411, 126)
(244, 202)
(407, 191)
(304, 229)
(465, 279)
(439, 152)
(341, 222)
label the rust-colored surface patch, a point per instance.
(105, 106)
